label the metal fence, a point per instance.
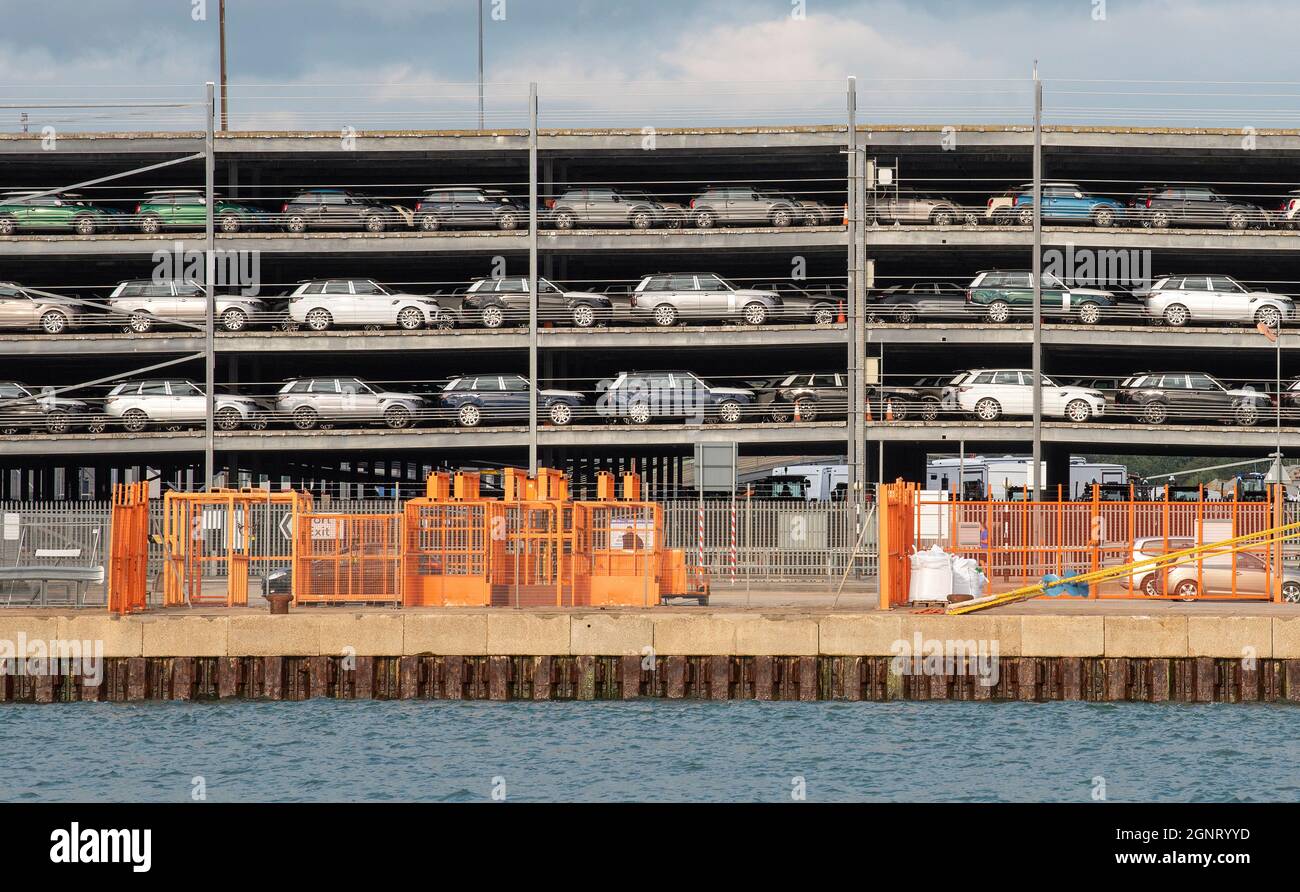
(46, 549)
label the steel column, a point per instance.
(532, 279)
(1037, 357)
(209, 286)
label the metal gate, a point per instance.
(347, 558)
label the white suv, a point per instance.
(321, 304)
(988, 394)
(147, 303)
(177, 403)
(1178, 300)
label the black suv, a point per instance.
(1154, 397)
(493, 303)
(918, 302)
(805, 396)
(339, 209)
(1159, 207)
(469, 207)
(22, 408)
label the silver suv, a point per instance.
(665, 298)
(1178, 300)
(718, 206)
(608, 207)
(307, 402)
(147, 303)
(20, 308)
(906, 206)
(174, 403)
(493, 303)
(321, 304)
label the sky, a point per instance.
(314, 63)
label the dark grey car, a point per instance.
(751, 206)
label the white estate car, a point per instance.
(147, 303)
(988, 394)
(321, 304)
(1180, 299)
(179, 402)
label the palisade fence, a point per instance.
(774, 542)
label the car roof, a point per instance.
(175, 192)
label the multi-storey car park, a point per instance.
(970, 165)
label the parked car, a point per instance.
(1177, 300)
(308, 402)
(147, 303)
(1228, 573)
(1000, 209)
(804, 396)
(188, 209)
(822, 306)
(1155, 397)
(447, 207)
(918, 302)
(893, 402)
(642, 397)
(341, 209)
(674, 214)
(321, 304)
(1067, 202)
(179, 402)
(29, 211)
(1288, 215)
(749, 205)
(989, 394)
(21, 308)
(1160, 207)
(1002, 294)
(474, 399)
(909, 207)
(493, 303)
(666, 298)
(22, 408)
(604, 206)
(937, 394)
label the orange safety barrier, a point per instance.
(1020, 541)
(210, 542)
(347, 558)
(128, 558)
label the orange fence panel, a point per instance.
(128, 558)
(347, 559)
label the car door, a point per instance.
(490, 395)
(188, 402)
(513, 398)
(1015, 392)
(685, 296)
(552, 306)
(1207, 398)
(370, 304)
(336, 210)
(1196, 296)
(1018, 289)
(1229, 300)
(16, 310)
(713, 298)
(189, 210)
(189, 301)
(1056, 296)
(1053, 396)
(326, 398)
(17, 413)
(357, 400)
(341, 303)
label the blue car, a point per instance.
(503, 397)
(1067, 202)
(642, 397)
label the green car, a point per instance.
(1001, 295)
(62, 212)
(187, 209)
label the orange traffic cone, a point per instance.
(796, 411)
(846, 215)
(869, 419)
(889, 410)
(840, 318)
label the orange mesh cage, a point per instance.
(128, 559)
(347, 559)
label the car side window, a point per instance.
(313, 288)
(682, 283)
(337, 287)
(1195, 283)
(516, 384)
(1006, 378)
(154, 388)
(366, 287)
(1223, 283)
(324, 385)
(984, 378)
(1017, 280)
(1203, 382)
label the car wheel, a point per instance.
(1187, 590)
(1150, 585)
(560, 413)
(508, 222)
(564, 220)
(780, 218)
(1291, 592)
(296, 224)
(1026, 217)
(150, 224)
(1269, 317)
(134, 420)
(754, 313)
(397, 416)
(227, 419)
(988, 409)
(805, 410)
(230, 224)
(140, 323)
(1103, 217)
(234, 320)
(999, 311)
(1090, 313)
(319, 319)
(941, 217)
(1159, 220)
(811, 220)
(638, 413)
(1238, 220)
(469, 415)
(53, 322)
(665, 315)
(492, 317)
(971, 219)
(823, 316)
(8, 226)
(305, 418)
(642, 220)
(374, 223)
(84, 225)
(1078, 411)
(429, 223)
(780, 416)
(895, 408)
(410, 319)
(97, 424)
(905, 315)
(705, 219)
(1155, 413)
(729, 412)
(57, 422)
(1246, 414)
(929, 409)
(584, 316)
(1176, 315)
